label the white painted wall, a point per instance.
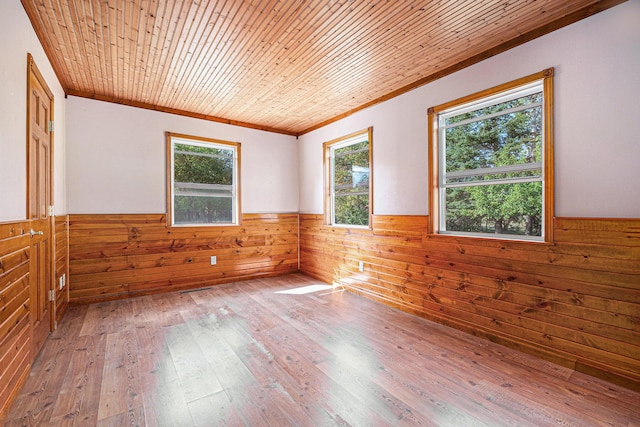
(116, 160)
(17, 38)
(597, 119)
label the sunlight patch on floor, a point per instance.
(305, 289)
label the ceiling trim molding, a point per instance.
(176, 111)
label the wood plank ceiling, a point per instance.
(283, 65)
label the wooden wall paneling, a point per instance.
(576, 302)
(118, 256)
(600, 231)
(62, 264)
(15, 324)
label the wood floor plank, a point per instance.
(290, 359)
(121, 389)
(77, 401)
(245, 354)
(164, 401)
(241, 389)
(218, 332)
(46, 380)
(133, 417)
(354, 360)
(274, 333)
(215, 410)
(196, 376)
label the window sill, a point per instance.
(487, 238)
(359, 227)
(211, 225)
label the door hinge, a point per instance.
(52, 295)
(52, 210)
(50, 125)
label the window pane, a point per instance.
(202, 210)
(351, 168)
(352, 210)
(203, 181)
(535, 98)
(495, 209)
(508, 139)
(350, 186)
(203, 165)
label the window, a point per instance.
(203, 181)
(348, 180)
(491, 157)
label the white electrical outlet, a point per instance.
(360, 266)
(63, 279)
(214, 260)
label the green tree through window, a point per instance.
(490, 154)
(203, 181)
(349, 180)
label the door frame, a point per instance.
(33, 71)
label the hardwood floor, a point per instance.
(243, 354)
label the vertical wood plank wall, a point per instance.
(15, 325)
(120, 256)
(576, 302)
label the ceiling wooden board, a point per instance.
(281, 65)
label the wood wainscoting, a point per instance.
(121, 256)
(576, 302)
(61, 258)
(15, 325)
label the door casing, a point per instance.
(40, 103)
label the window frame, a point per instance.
(435, 210)
(328, 147)
(200, 141)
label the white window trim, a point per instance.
(231, 191)
(330, 147)
(543, 82)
